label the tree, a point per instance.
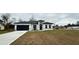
(5, 18)
(32, 18)
(56, 27)
(41, 21)
(69, 25)
(77, 22)
(20, 20)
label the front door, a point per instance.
(34, 26)
(40, 26)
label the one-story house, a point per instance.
(1, 25)
(73, 27)
(33, 25)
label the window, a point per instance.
(49, 26)
(45, 26)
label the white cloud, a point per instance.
(66, 21)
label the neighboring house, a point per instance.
(73, 27)
(33, 25)
(1, 25)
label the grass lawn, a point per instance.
(53, 37)
(5, 31)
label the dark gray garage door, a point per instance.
(22, 27)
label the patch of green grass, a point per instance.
(5, 31)
(2, 32)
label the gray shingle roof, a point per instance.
(28, 22)
(31, 22)
(47, 23)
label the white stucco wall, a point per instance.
(15, 27)
(47, 27)
(37, 26)
(43, 27)
(30, 27)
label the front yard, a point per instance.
(53, 37)
(5, 31)
(2, 32)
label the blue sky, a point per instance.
(57, 18)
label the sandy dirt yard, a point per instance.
(53, 37)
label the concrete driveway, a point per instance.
(6, 39)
